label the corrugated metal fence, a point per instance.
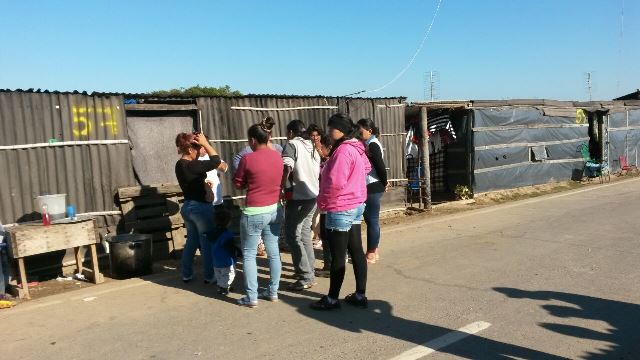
(226, 121)
(78, 144)
(62, 143)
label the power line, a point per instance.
(415, 55)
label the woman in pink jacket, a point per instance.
(343, 191)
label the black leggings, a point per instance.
(341, 241)
(326, 245)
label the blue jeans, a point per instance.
(4, 271)
(198, 219)
(252, 227)
(342, 220)
(372, 219)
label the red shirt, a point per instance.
(260, 172)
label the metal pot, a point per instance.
(130, 255)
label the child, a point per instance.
(224, 252)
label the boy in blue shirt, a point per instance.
(224, 252)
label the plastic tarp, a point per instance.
(624, 143)
(624, 140)
(618, 120)
(527, 175)
(634, 118)
(513, 116)
(500, 157)
(543, 149)
(489, 138)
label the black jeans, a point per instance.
(341, 242)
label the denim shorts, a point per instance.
(342, 220)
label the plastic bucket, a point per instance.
(56, 205)
(130, 255)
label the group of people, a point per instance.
(340, 175)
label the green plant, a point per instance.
(462, 192)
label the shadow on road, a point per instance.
(379, 319)
(623, 319)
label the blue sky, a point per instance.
(490, 49)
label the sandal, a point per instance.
(371, 257)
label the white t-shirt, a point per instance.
(214, 177)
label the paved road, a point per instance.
(545, 278)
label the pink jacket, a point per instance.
(343, 183)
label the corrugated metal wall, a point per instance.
(82, 146)
(226, 120)
(88, 173)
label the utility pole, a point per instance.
(426, 199)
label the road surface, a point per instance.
(545, 278)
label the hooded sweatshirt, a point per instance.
(343, 178)
(304, 160)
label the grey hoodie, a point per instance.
(303, 158)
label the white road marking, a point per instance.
(434, 345)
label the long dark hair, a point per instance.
(370, 126)
(298, 129)
(347, 135)
(262, 130)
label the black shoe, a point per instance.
(300, 285)
(298, 276)
(323, 273)
(325, 304)
(354, 300)
(223, 291)
(207, 282)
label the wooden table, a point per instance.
(34, 238)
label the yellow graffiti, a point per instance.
(113, 125)
(85, 129)
(581, 116)
(83, 123)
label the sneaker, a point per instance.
(301, 285)
(265, 295)
(325, 304)
(187, 279)
(323, 273)
(357, 300)
(223, 290)
(298, 276)
(244, 301)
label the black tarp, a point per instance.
(521, 146)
